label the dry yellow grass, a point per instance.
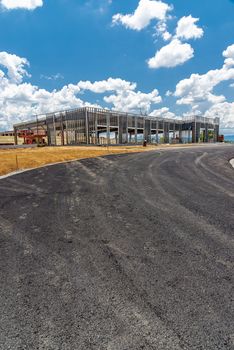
(19, 159)
(27, 158)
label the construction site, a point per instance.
(93, 126)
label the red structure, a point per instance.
(221, 138)
(32, 137)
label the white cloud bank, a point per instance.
(125, 97)
(198, 91)
(20, 100)
(199, 88)
(21, 4)
(146, 11)
(224, 111)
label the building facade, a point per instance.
(93, 126)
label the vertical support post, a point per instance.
(67, 141)
(15, 136)
(48, 132)
(206, 133)
(157, 131)
(96, 130)
(180, 134)
(116, 137)
(108, 128)
(127, 128)
(194, 131)
(54, 127)
(150, 133)
(165, 131)
(195, 126)
(120, 121)
(216, 132)
(135, 130)
(61, 129)
(86, 126)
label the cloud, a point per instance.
(229, 56)
(20, 100)
(107, 85)
(133, 101)
(146, 11)
(15, 66)
(176, 52)
(161, 30)
(197, 91)
(99, 7)
(163, 112)
(225, 112)
(125, 98)
(52, 77)
(21, 4)
(187, 28)
(171, 55)
(199, 88)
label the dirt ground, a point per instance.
(18, 159)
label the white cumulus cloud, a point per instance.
(188, 29)
(172, 55)
(146, 11)
(199, 88)
(15, 66)
(21, 4)
(229, 56)
(107, 85)
(125, 97)
(197, 91)
(225, 112)
(133, 101)
(161, 30)
(163, 112)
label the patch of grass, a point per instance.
(19, 159)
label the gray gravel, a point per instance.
(120, 253)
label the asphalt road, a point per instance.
(120, 253)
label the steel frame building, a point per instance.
(94, 126)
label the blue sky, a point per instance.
(62, 54)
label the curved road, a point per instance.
(120, 253)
